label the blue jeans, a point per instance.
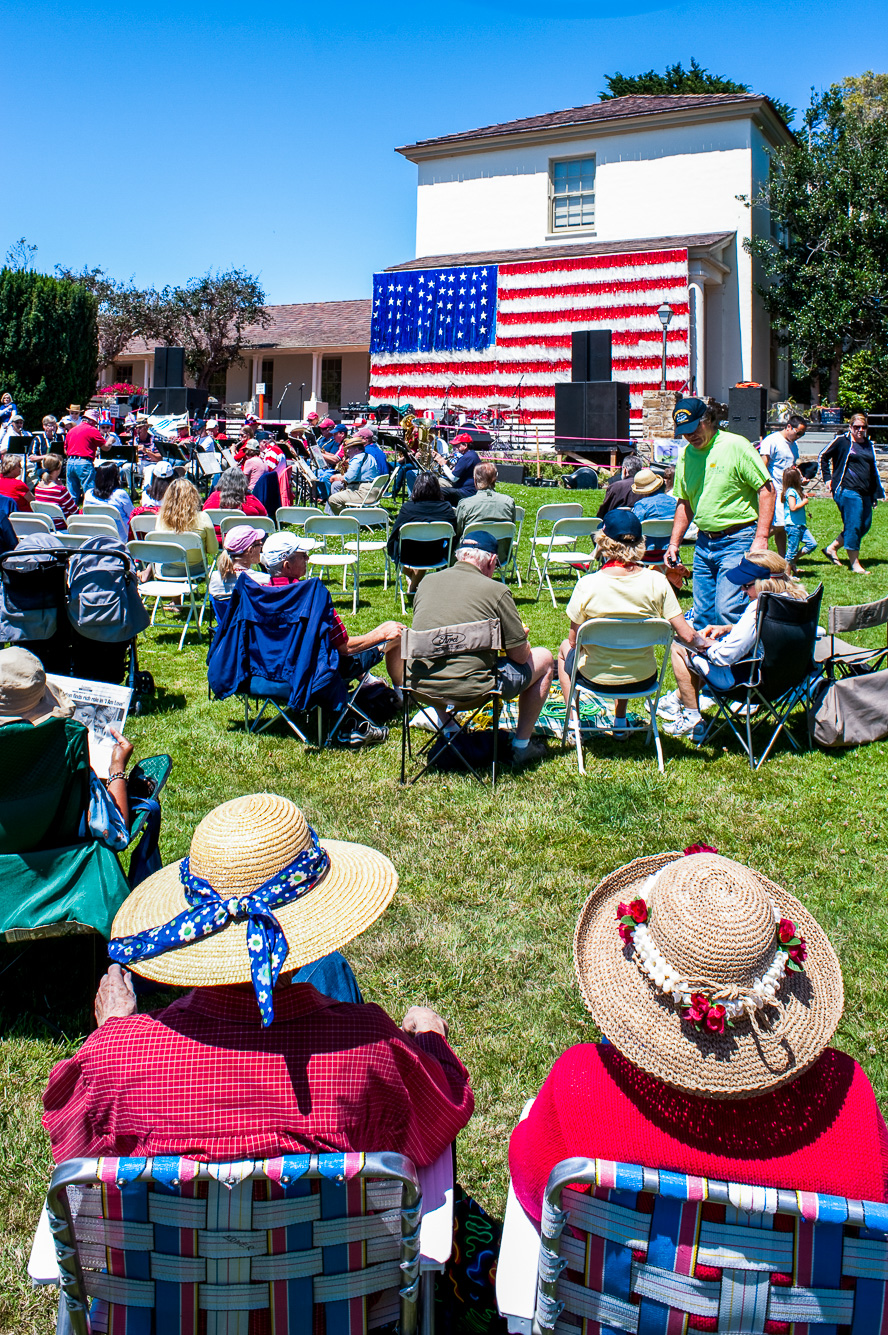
(857, 516)
(332, 976)
(798, 535)
(79, 477)
(718, 602)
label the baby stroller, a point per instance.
(33, 600)
(105, 615)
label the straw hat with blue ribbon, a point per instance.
(258, 894)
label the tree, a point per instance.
(48, 342)
(824, 255)
(863, 383)
(20, 255)
(123, 309)
(209, 317)
(866, 95)
(677, 80)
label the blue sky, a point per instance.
(163, 140)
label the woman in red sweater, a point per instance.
(232, 494)
(718, 993)
(11, 483)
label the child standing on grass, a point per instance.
(796, 508)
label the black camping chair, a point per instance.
(781, 674)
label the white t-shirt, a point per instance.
(778, 454)
(739, 641)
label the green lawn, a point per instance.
(481, 927)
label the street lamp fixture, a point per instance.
(664, 315)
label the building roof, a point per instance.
(614, 109)
(706, 239)
(308, 324)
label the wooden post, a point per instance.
(539, 465)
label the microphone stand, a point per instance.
(283, 396)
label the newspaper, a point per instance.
(99, 706)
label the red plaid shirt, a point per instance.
(204, 1079)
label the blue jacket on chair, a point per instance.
(279, 635)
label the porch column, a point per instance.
(316, 358)
(697, 279)
(146, 374)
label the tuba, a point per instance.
(418, 438)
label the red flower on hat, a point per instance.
(699, 848)
(629, 916)
(796, 947)
(715, 1019)
(698, 1009)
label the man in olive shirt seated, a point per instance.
(468, 592)
(486, 504)
(723, 486)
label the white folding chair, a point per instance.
(294, 516)
(436, 532)
(142, 525)
(72, 541)
(503, 530)
(546, 515)
(618, 633)
(157, 551)
(262, 522)
(95, 509)
(374, 518)
(216, 516)
(200, 568)
(346, 528)
(93, 526)
(564, 532)
(24, 525)
(512, 567)
(381, 487)
(51, 510)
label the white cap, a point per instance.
(278, 546)
(212, 424)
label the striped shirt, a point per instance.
(55, 493)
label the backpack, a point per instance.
(103, 592)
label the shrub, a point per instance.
(48, 343)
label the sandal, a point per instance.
(831, 556)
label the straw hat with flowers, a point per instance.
(257, 894)
(707, 975)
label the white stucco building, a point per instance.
(609, 178)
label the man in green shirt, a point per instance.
(468, 592)
(723, 486)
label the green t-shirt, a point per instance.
(450, 598)
(720, 482)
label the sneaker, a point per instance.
(683, 724)
(536, 749)
(705, 702)
(366, 734)
(669, 705)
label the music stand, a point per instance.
(18, 444)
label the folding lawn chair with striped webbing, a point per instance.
(662, 1253)
(169, 1246)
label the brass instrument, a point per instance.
(418, 439)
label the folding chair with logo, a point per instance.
(838, 657)
(561, 550)
(414, 534)
(780, 674)
(420, 649)
(619, 633)
(336, 1242)
(621, 1246)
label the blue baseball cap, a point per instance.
(479, 541)
(747, 572)
(622, 525)
(687, 414)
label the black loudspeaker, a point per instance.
(175, 399)
(169, 368)
(479, 438)
(591, 417)
(747, 410)
(512, 473)
(590, 351)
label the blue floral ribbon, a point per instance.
(210, 912)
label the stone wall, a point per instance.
(656, 413)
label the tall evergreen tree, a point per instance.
(676, 80)
(48, 342)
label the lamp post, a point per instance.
(664, 315)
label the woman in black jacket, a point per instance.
(426, 506)
(849, 466)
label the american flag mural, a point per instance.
(416, 353)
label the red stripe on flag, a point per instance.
(583, 314)
(619, 260)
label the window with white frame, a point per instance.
(573, 194)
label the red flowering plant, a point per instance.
(629, 916)
(704, 1016)
(796, 948)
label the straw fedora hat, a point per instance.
(646, 482)
(714, 923)
(25, 694)
(237, 847)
